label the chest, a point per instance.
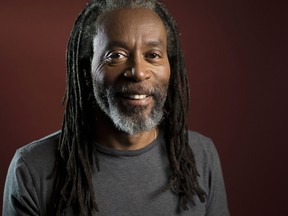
(137, 186)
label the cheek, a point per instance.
(105, 75)
(97, 76)
(99, 71)
(96, 67)
(164, 74)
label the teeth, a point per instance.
(137, 97)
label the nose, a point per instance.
(138, 70)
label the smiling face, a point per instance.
(130, 68)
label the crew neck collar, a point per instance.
(130, 153)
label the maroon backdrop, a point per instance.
(236, 55)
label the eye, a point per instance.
(153, 56)
(116, 56)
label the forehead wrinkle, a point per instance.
(125, 44)
(107, 19)
(116, 34)
(117, 43)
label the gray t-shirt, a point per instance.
(129, 183)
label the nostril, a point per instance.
(137, 74)
(128, 73)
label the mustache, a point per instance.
(136, 88)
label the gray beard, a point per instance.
(132, 120)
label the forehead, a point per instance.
(131, 22)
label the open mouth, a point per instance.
(135, 99)
(135, 96)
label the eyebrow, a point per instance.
(117, 44)
(158, 43)
(124, 44)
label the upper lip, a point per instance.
(136, 92)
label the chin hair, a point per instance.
(135, 123)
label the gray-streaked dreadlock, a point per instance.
(76, 153)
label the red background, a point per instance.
(236, 55)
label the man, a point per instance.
(124, 148)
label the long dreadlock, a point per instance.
(76, 152)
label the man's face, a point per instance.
(130, 68)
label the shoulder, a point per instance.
(210, 173)
(40, 152)
(200, 144)
(196, 138)
(205, 153)
(41, 146)
(28, 182)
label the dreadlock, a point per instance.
(76, 153)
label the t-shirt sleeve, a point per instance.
(216, 199)
(20, 197)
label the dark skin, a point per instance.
(131, 46)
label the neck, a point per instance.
(106, 134)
